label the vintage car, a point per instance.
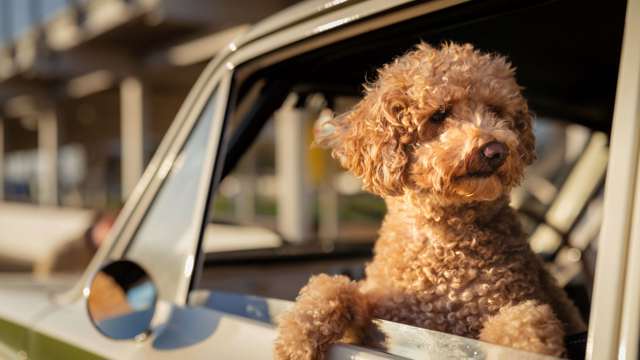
(234, 212)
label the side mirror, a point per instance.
(121, 300)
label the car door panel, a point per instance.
(187, 333)
(67, 333)
(22, 303)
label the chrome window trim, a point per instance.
(294, 14)
(608, 332)
(347, 22)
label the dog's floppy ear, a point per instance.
(524, 126)
(368, 142)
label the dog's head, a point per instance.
(450, 123)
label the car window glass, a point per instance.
(164, 239)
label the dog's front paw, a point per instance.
(292, 347)
(528, 326)
(327, 308)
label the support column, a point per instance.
(328, 199)
(245, 201)
(294, 210)
(48, 158)
(133, 116)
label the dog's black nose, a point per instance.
(494, 153)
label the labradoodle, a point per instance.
(443, 135)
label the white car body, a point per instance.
(49, 320)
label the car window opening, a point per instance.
(253, 248)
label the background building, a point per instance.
(87, 90)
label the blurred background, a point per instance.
(87, 90)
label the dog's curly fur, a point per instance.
(451, 255)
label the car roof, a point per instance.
(331, 14)
(294, 14)
(557, 66)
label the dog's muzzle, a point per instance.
(487, 159)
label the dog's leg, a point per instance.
(529, 326)
(327, 308)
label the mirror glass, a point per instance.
(121, 300)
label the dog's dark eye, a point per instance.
(440, 115)
(496, 110)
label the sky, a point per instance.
(17, 16)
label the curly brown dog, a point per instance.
(443, 135)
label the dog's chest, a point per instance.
(449, 290)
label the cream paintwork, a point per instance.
(67, 319)
(25, 299)
(615, 310)
(230, 338)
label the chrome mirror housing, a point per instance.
(121, 300)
